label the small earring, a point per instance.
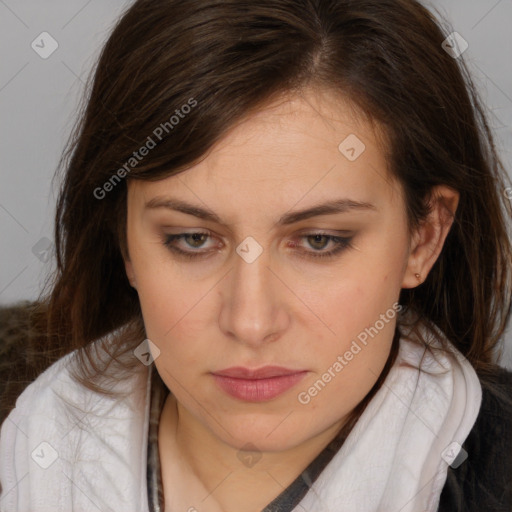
(418, 277)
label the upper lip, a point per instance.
(266, 372)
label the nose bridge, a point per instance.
(250, 311)
(251, 272)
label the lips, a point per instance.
(261, 373)
(257, 385)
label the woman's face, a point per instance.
(267, 281)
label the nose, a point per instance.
(253, 310)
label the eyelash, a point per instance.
(342, 243)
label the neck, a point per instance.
(232, 478)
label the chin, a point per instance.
(266, 433)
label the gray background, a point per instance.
(39, 99)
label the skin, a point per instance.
(282, 309)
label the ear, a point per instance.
(428, 239)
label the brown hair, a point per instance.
(232, 56)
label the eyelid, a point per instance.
(341, 243)
(303, 232)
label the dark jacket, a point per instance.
(483, 482)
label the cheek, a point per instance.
(176, 314)
(160, 295)
(347, 363)
(361, 314)
(361, 318)
(169, 310)
(366, 288)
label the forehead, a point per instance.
(308, 147)
(306, 127)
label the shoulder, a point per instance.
(484, 480)
(40, 393)
(30, 417)
(59, 427)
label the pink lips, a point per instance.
(257, 385)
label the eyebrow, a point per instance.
(326, 208)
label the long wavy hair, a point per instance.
(231, 57)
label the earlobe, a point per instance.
(429, 238)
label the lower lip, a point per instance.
(258, 390)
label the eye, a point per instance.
(197, 240)
(319, 241)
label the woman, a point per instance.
(283, 267)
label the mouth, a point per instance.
(259, 385)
